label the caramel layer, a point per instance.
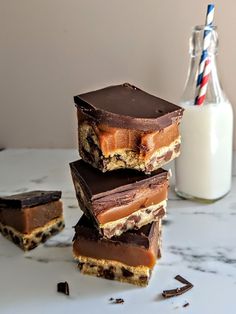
(112, 139)
(27, 219)
(143, 198)
(107, 249)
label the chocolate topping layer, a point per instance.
(29, 199)
(98, 184)
(126, 106)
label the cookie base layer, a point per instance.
(90, 152)
(39, 235)
(136, 220)
(139, 275)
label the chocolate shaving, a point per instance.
(116, 301)
(175, 292)
(178, 291)
(63, 287)
(182, 280)
(186, 304)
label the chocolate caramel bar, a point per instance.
(124, 127)
(30, 218)
(127, 258)
(120, 200)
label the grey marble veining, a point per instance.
(199, 243)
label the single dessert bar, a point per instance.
(122, 199)
(30, 218)
(129, 258)
(124, 127)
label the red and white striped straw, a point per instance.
(203, 87)
(205, 66)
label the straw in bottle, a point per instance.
(204, 66)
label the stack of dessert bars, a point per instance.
(125, 136)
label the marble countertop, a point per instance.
(199, 243)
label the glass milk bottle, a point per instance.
(204, 168)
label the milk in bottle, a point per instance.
(203, 170)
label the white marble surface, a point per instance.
(199, 243)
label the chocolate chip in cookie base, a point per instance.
(112, 270)
(40, 235)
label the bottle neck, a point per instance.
(214, 92)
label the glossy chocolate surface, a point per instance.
(99, 184)
(29, 199)
(126, 106)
